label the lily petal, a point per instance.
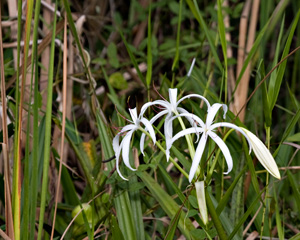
(196, 96)
(165, 104)
(263, 154)
(212, 111)
(125, 145)
(186, 132)
(191, 117)
(198, 156)
(143, 136)
(117, 153)
(230, 125)
(133, 114)
(224, 150)
(173, 98)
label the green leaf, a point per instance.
(117, 81)
(277, 216)
(295, 187)
(173, 226)
(222, 34)
(167, 203)
(247, 213)
(121, 200)
(274, 87)
(176, 58)
(132, 58)
(149, 50)
(115, 230)
(196, 12)
(113, 55)
(294, 138)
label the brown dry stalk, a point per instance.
(46, 41)
(45, 58)
(231, 78)
(242, 89)
(65, 52)
(5, 146)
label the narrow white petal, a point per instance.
(127, 128)
(225, 109)
(191, 119)
(165, 104)
(149, 128)
(125, 149)
(198, 156)
(223, 148)
(168, 131)
(263, 154)
(158, 115)
(191, 68)
(167, 154)
(168, 127)
(133, 114)
(116, 145)
(191, 116)
(230, 125)
(212, 111)
(143, 136)
(196, 96)
(118, 161)
(173, 97)
(186, 132)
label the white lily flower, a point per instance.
(125, 143)
(169, 109)
(207, 130)
(263, 154)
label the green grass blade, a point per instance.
(214, 216)
(176, 58)
(47, 130)
(222, 35)
(136, 207)
(173, 225)
(167, 203)
(196, 12)
(149, 51)
(121, 201)
(132, 58)
(279, 225)
(247, 213)
(274, 87)
(295, 188)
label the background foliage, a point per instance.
(88, 61)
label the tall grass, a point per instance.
(58, 170)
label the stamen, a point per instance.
(155, 89)
(122, 115)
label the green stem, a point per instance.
(47, 131)
(164, 151)
(267, 189)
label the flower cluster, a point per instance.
(198, 126)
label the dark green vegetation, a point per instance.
(93, 60)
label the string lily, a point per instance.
(170, 109)
(128, 130)
(207, 130)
